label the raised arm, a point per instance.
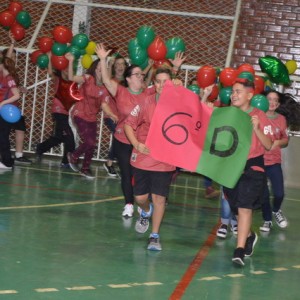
(12, 45)
(110, 84)
(78, 79)
(177, 61)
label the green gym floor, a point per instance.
(62, 237)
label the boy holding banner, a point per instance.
(248, 192)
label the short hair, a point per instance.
(245, 82)
(165, 71)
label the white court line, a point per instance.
(5, 292)
(46, 290)
(80, 288)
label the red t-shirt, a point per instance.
(279, 131)
(140, 119)
(61, 88)
(93, 96)
(256, 148)
(6, 84)
(125, 103)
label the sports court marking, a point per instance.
(62, 204)
(194, 266)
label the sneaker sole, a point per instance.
(254, 243)
(238, 261)
(262, 229)
(153, 248)
(141, 231)
(221, 236)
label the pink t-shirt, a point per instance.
(140, 119)
(125, 103)
(93, 96)
(256, 148)
(6, 84)
(279, 131)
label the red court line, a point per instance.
(194, 266)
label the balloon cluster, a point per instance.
(15, 19)
(62, 42)
(147, 45)
(223, 80)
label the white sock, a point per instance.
(18, 154)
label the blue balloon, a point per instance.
(10, 113)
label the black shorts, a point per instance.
(151, 182)
(20, 125)
(249, 191)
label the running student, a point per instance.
(85, 112)
(283, 109)
(151, 178)
(248, 193)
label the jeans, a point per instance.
(226, 214)
(274, 174)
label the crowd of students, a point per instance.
(122, 92)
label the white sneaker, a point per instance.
(266, 227)
(4, 167)
(128, 210)
(280, 219)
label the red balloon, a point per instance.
(59, 62)
(17, 31)
(15, 7)
(7, 18)
(45, 44)
(245, 68)
(34, 55)
(157, 49)
(214, 93)
(206, 76)
(259, 84)
(62, 34)
(228, 76)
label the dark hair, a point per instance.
(163, 70)
(92, 69)
(289, 107)
(9, 65)
(128, 72)
(245, 82)
(118, 56)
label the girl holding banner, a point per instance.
(151, 177)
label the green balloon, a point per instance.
(275, 69)
(144, 64)
(42, 61)
(59, 49)
(260, 101)
(225, 94)
(74, 50)
(133, 43)
(23, 18)
(145, 36)
(175, 44)
(138, 56)
(80, 40)
(246, 75)
(194, 88)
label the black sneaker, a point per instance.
(110, 170)
(238, 256)
(22, 161)
(250, 244)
